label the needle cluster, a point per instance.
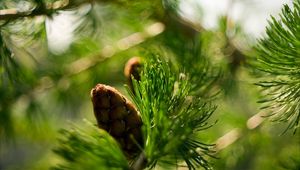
(278, 57)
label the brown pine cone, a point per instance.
(133, 68)
(118, 116)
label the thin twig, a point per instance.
(140, 163)
(9, 14)
(86, 63)
(13, 14)
(108, 51)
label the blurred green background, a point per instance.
(50, 63)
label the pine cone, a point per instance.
(133, 68)
(118, 116)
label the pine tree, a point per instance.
(188, 87)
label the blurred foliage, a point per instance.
(41, 89)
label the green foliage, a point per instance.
(164, 101)
(173, 96)
(8, 69)
(89, 148)
(17, 69)
(188, 51)
(278, 56)
(202, 75)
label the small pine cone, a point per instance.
(133, 68)
(118, 116)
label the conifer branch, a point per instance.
(166, 107)
(89, 148)
(278, 56)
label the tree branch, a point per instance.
(10, 14)
(140, 163)
(108, 51)
(40, 9)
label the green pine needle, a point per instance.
(172, 118)
(90, 148)
(278, 56)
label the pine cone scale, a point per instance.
(118, 116)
